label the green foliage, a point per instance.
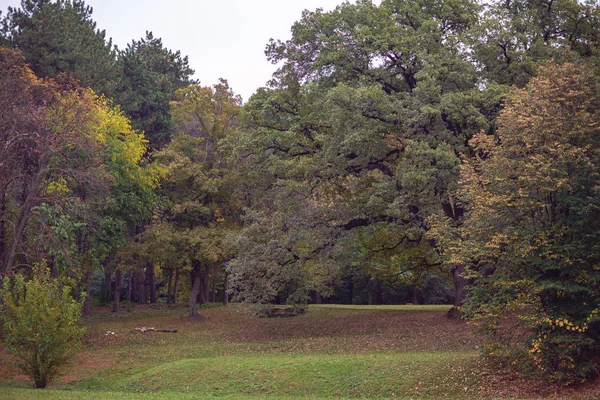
(514, 37)
(530, 235)
(149, 77)
(356, 143)
(198, 209)
(40, 328)
(61, 37)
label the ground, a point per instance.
(407, 352)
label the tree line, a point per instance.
(398, 148)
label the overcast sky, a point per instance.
(222, 38)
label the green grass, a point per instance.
(332, 351)
(409, 308)
(378, 375)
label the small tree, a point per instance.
(39, 318)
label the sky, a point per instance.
(222, 38)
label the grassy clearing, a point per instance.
(405, 352)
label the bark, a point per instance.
(16, 237)
(350, 291)
(318, 299)
(169, 282)
(415, 299)
(176, 287)
(213, 290)
(2, 224)
(87, 304)
(206, 282)
(379, 292)
(151, 278)
(459, 290)
(142, 286)
(459, 284)
(118, 288)
(129, 285)
(107, 286)
(225, 289)
(135, 288)
(24, 213)
(196, 278)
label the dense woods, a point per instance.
(415, 151)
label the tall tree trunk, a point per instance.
(176, 286)
(169, 282)
(351, 291)
(16, 237)
(129, 285)
(118, 288)
(379, 292)
(370, 285)
(414, 291)
(135, 288)
(225, 288)
(28, 203)
(206, 291)
(318, 299)
(151, 282)
(2, 224)
(196, 278)
(459, 290)
(107, 285)
(142, 287)
(87, 304)
(213, 290)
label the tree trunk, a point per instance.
(415, 299)
(107, 286)
(28, 203)
(196, 278)
(151, 282)
(213, 290)
(379, 292)
(169, 282)
(16, 237)
(351, 291)
(118, 288)
(142, 286)
(129, 285)
(2, 224)
(87, 304)
(206, 282)
(459, 290)
(225, 289)
(176, 287)
(135, 287)
(318, 299)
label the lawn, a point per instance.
(332, 351)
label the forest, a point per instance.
(407, 152)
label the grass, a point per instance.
(332, 351)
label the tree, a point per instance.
(75, 186)
(358, 136)
(61, 37)
(149, 77)
(40, 328)
(515, 36)
(48, 146)
(201, 210)
(530, 235)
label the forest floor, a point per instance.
(404, 352)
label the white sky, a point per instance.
(222, 38)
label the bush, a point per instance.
(39, 319)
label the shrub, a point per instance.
(39, 319)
